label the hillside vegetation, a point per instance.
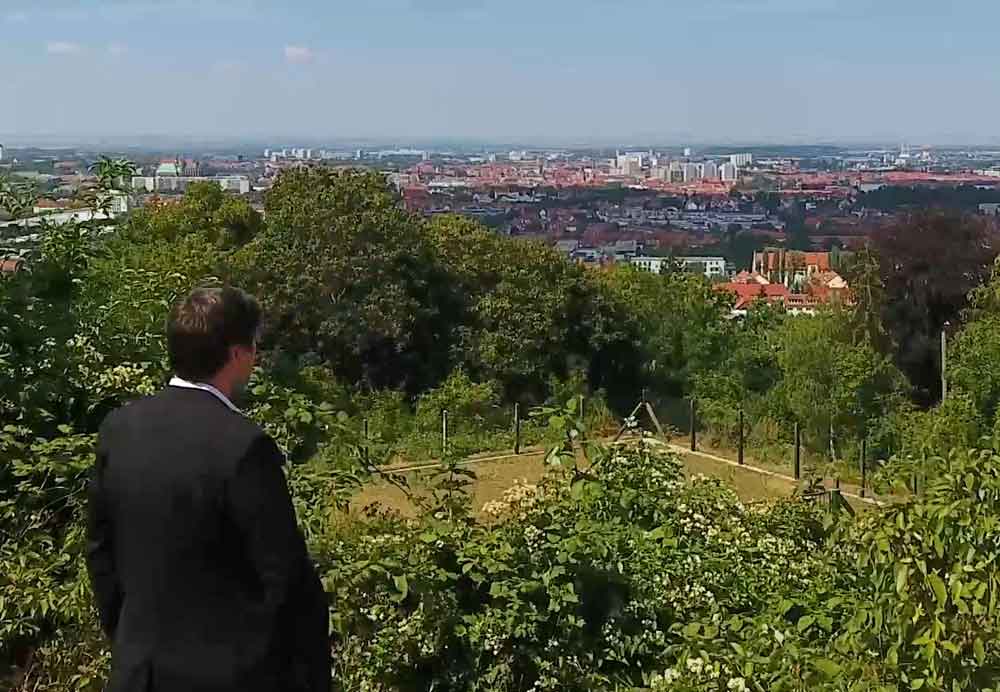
(613, 572)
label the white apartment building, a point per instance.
(730, 172)
(741, 160)
(651, 264)
(179, 183)
(711, 267)
(692, 172)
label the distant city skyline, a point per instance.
(560, 72)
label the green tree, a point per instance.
(928, 264)
(835, 387)
(678, 321)
(204, 210)
(863, 274)
(345, 273)
(524, 312)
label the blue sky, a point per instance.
(925, 71)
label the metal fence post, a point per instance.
(739, 451)
(444, 432)
(694, 431)
(798, 451)
(517, 428)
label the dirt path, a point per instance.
(495, 473)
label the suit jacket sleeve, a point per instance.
(104, 576)
(261, 508)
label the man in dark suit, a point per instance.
(201, 575)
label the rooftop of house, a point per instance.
(745, 277)
(747, 293)
(9, 265)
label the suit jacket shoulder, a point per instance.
(194, 410)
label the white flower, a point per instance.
(736, 685)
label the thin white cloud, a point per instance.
(63, 48)
(117, 49)
(298, 55)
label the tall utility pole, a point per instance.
(944, 365)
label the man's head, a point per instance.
(212, 338)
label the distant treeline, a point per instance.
(963, 197)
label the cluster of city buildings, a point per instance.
(680, 170)
(800, 282)
(174, 177)
(311, 154)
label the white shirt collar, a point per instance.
(184, 384)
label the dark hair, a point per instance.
(205, 325)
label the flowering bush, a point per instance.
(595, 579)
(615, 572)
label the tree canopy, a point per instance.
(928, 265)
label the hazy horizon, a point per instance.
(584, 73)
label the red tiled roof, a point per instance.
(748, 293)
(9, 265)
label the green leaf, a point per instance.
(916, 683)
(940, 592)
(828, 668)
(804, 622)
(902, 577)
(979, 650)
(402, 585)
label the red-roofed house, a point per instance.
(747, 293)
(829, 287)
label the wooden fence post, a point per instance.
(798, 451)
(444, 432)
